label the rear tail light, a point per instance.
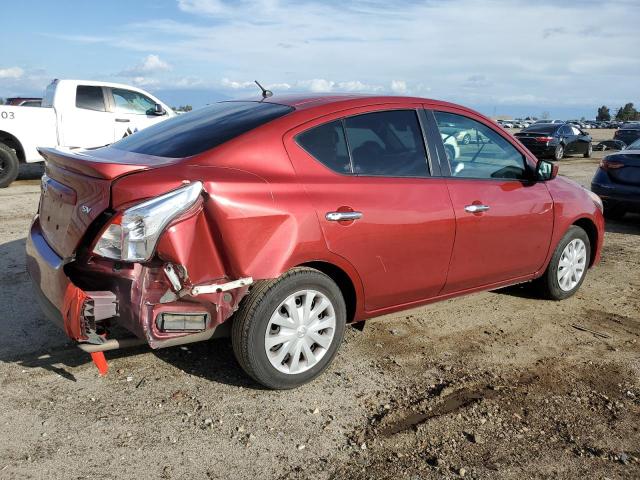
(543, 139)
(610, 164)
(132, 235)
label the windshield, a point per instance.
(634, 146)
(201, 130)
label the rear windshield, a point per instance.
(201, 130)
(542, 128)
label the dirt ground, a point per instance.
(494, 385)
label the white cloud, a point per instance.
(315, 85)
(145, 81)
(151, 64)
(234, 85)
(207, 7)
(11, 72)
(399, 86)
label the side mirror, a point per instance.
(158, 110)
(546, 170)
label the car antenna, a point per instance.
(265, 93)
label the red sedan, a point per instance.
(280, 221)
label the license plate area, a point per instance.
(56, 209)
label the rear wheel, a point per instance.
(466, 140)
(589, 151)
(288, 330)
(8, 165)
(568, 265)
(451, 152)
(558, 153)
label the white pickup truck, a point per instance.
(74, 114)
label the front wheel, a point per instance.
(8, 165)
(288, 330)
(589, 151)
(568, 265)
(466, 140)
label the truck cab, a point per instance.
(75, 114)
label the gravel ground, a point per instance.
(494, 385)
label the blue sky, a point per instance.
(502, 57)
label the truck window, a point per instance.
(47, 100)
(127, 101)
(90, 98)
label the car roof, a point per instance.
(307, 101)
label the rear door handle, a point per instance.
(341, 216)
(476, 208)
(122, 120)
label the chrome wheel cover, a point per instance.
(572, 265)
(300, 332)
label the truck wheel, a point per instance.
(8, 166)
(288, 330)
(568, 265)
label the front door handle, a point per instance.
(476, 208)
(122, 120)
(342, 216)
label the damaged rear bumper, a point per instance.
(87, 297)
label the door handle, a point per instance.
(122, 120)
(341, 216)
(476, 208)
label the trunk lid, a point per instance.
(629, 173)
(529, 138)
(76, 189)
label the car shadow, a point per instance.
(629, 224)
(31, 341)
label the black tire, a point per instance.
(451, 152)
(252, 319)
(548, 285)
(558, 154)
(466, 140)
(589, 151)
(613, 211)
(9, 165)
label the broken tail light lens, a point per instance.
(133, 234)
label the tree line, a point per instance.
(624, 114)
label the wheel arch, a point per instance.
(592, 232)
(12, 142)
(344, 282)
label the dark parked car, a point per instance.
(550, 140)
(284, 219)
(628, 133)
(24, 101)
(617, 181)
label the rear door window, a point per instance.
(387, 143)
(90, 98)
